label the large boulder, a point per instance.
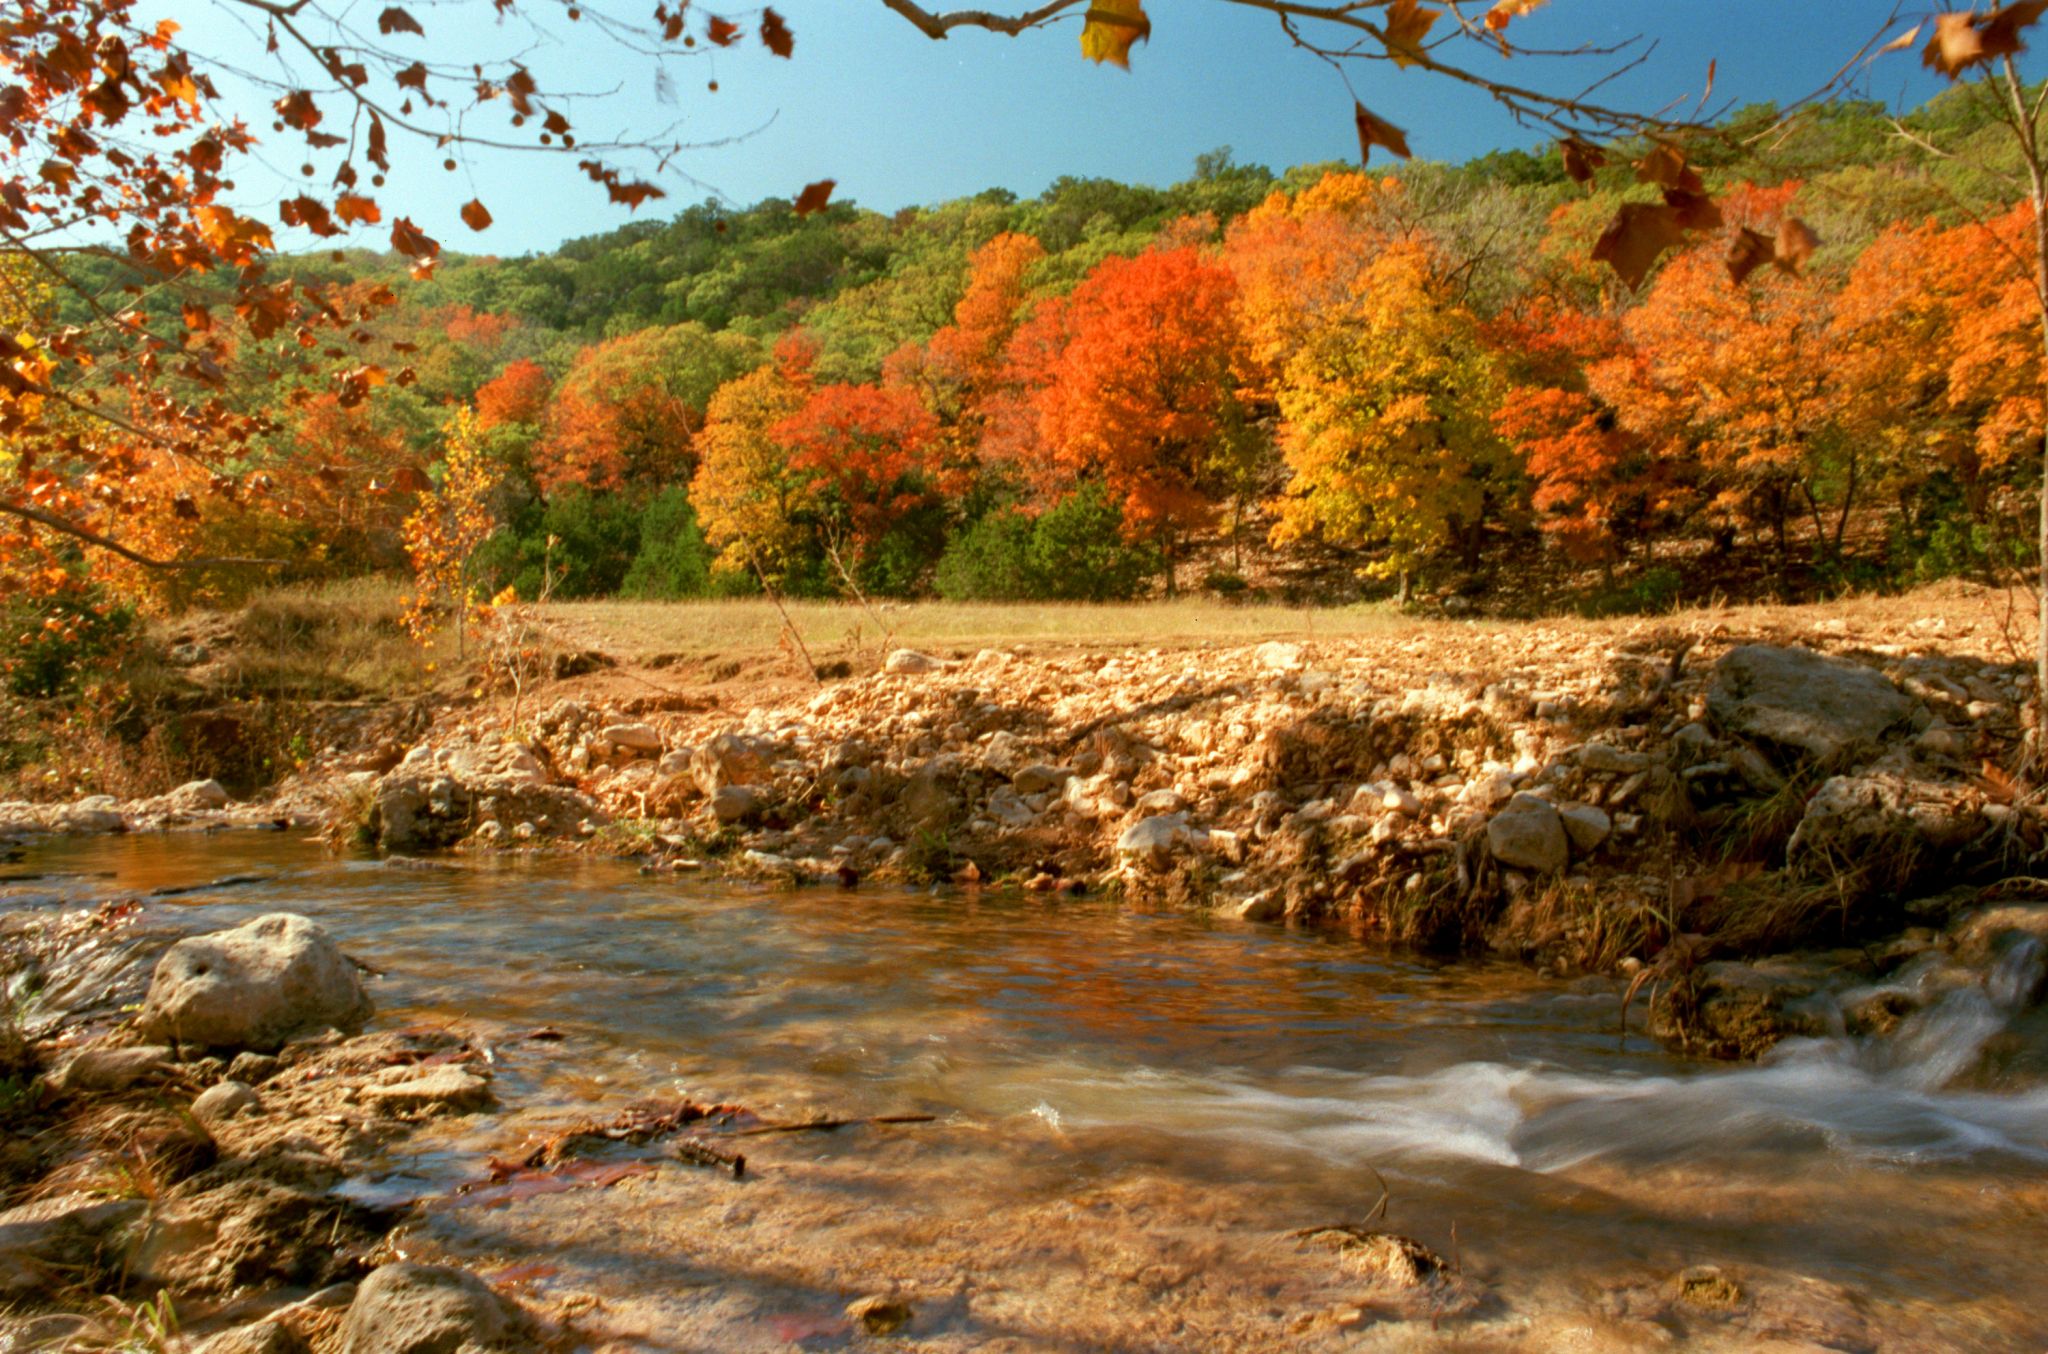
(1528, 834)
(1156, 840)
(254, 986)
(426, 811)
(431, 1309)
(1889, 829)
(1799, 700)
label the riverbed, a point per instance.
(1133, 1115)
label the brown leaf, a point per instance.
(308, 212)
(356, 209)
(1665, 166)
(1111, 27)
(722, 32)
(422, 248)
(1956, 45)
(1407, 24)
(1795, 245)
(1504, 11)
(1375, 131)
(410, 479)
(1696, 211)
(1749, 251)
(775, 34)
(1632, 242)
(297, 109)
(183, 506)
(413, 77)
(1902, 41)
(1581, 158)
(1999, 32)
(475, 215)
(814, 196)
(396, 20)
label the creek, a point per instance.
(1135, 1111)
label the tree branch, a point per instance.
(936, 26)
(93, 538)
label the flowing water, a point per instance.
(1136, 1111)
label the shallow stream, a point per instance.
(1135, 1112)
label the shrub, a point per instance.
(1654, 590)
(1074, 551)
(53, 643)
(597, 538)
(674, 560)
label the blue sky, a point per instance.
(898, 119)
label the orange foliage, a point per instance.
(614, 420)
(1130, 380)
(518, 394)
(863, 449)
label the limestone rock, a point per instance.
(56, 1242)
(911, 663)
(431, 1309)
(736, 803)
(1528, 834)
(1607, 758)
(441, 1088)
(253, 986)
(113, 1069)
(264, 1337)
(880, 1315)
(1586, 825)
(1885, 826)
(222, 1101)
(730, 759)
(1039, 779)
(1798, 699)
(634, 737)
(1279, 656)
(1155, 841)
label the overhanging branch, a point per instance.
(88, 536)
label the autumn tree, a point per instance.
(443, 532)
(748, 496)
(1388, 435)
(629, 410)
(861, 456)
(516, 395)
(1131, 380)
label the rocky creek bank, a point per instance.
(1672, 806)
(1774, 833)
(172, 1172)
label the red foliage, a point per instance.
(518, 394)
(865, 447)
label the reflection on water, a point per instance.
(1189, 1048)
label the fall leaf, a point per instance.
(297, 109)
(396, 20)
(1999, 32)
(775, 34)
(814, 196)
(475, 215)
(722, 32)
(1374, 131)
(1795, 245)
(354, 209)
(1749, 251)
(1632, 242)
(1696, 211)
(1902, 41)
(1110, 29)
(1581, 158)
(1956, 45)
(183, 506)
(1504, 11)
(1665, 166)
(413, 77)
(422, 248)
(1408, 23)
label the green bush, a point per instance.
(597, 538)
(1074, 551)
(673, 561)
(1654, 590)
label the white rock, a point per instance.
(634, 737)
(910, 663)
(1278, 656)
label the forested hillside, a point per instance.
(1323, 383)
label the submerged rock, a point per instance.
(253, 986)
(443, 1088)
(1798, 699)
(431, 1309)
